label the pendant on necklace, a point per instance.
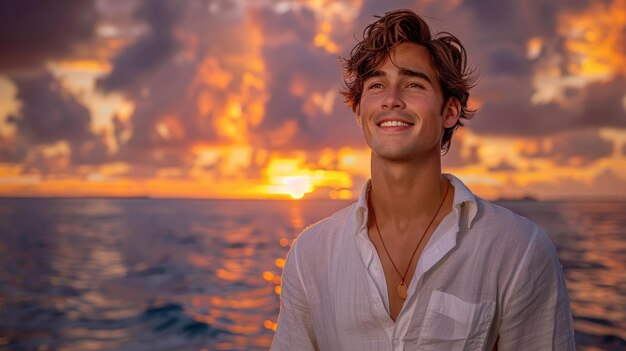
(402, 290)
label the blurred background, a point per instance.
(142, 141)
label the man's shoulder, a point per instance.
(493, 219)
(327, 229)
(494, 215)
(502, 224)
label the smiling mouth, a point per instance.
(394, 124)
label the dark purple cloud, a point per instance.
(90, 152)
(35, 32)
(298, 23)
(338, 130)
(32, 31)
(502, 21)
(48, 113)
(150, 50)
(161, 100)
(13, 150)
(295, 56)
(315, 67)
(510, 112)
(454, 158)
(371, 8)
(574, 148)
(602, 106)
(515, 21)
(506, 59)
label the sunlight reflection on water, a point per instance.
(138, 274)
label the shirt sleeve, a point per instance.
(294, 330)
(536, 311)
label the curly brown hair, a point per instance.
(405, 26)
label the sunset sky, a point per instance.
(239, 99)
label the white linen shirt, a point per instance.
(487, 279)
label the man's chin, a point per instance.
(395, 156)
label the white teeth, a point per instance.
(394, 124)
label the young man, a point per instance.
(419, 262)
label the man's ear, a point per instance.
(451, 112)
(357, 115)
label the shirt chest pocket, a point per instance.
(453, 324)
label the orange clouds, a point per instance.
(243, 102)
(595, 50)
(596, 40)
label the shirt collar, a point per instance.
(362, 208)
(462, 196)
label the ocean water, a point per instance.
(141, 274)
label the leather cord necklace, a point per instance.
(402, 288)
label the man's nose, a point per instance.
(393, 99)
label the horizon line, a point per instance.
(590, 198)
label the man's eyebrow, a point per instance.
(403, 72)
(416, 74)
(376, 73)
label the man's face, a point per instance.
(401, 111)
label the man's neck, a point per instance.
(406, 192)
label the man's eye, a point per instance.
(375, 86)
(415, 85)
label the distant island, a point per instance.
(524, 198)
